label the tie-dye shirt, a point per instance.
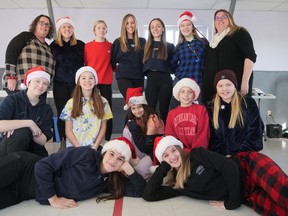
(87, 126)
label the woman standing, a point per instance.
(127, 56)
(235, 122)
(28, 50)
(157, 55)
(97, 54)
(188, 58)
(249, 178)
(69, 55)
(230, 48)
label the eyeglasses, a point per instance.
(220, 18)
(42, 23)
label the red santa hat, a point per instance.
(121, 145)
(86, 69)
(186, 82)
(63, 20)
(186, 15)
(161, 144)
(34, 73)
(134, 96)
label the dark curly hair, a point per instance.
(34, 23)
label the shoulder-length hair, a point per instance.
(162, 53)
(232, 25)
(59, 39)
(34, 23)
(148, 111)
(97, 103)
(98, 22)
(123, 35)
(236, 110)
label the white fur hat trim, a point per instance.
(86, 69)
(186, 82)
(163, 144)
(119, 146)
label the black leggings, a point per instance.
(124, 84)
(61, 95)
(17, 178)
(106, 92)
(159, 89)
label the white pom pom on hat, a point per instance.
(186, 82)
(63, 20)
(186, 15)
(86, 69)
(134, 96)
(34, 73)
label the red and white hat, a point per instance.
(86, 69)
(63, 20)
(34, 73)
(161, 144)
(186, 82)
(186, 15)
(121, 145)
(134, 96)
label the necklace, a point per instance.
(193, 50)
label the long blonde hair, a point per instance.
(123, 35)
(177, 178)
(236, 110)
(162, 53)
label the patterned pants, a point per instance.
(266, 184)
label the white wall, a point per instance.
(268, 29)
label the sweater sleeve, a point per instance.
(115, 52)
(47, 168)
(134, 186)
(154, 190)
(13, 51)
(203, 130)
(253, 140)
(227, 168)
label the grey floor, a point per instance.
(180, 206)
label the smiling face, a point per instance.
(130, 27)
(100, 30)
(186, 96)
(186, 28)
(87, 81)
(43, 27)
(37, 86)
(172, 156)
(221, 21)
(66, 31)
(156, 29)
(137, 110)
(112, 161)
(225, 89)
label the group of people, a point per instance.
(207, 151)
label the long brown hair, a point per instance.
(123, 35)
(97, 103)
(148, 111)
(116, 186)
(162, 53)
